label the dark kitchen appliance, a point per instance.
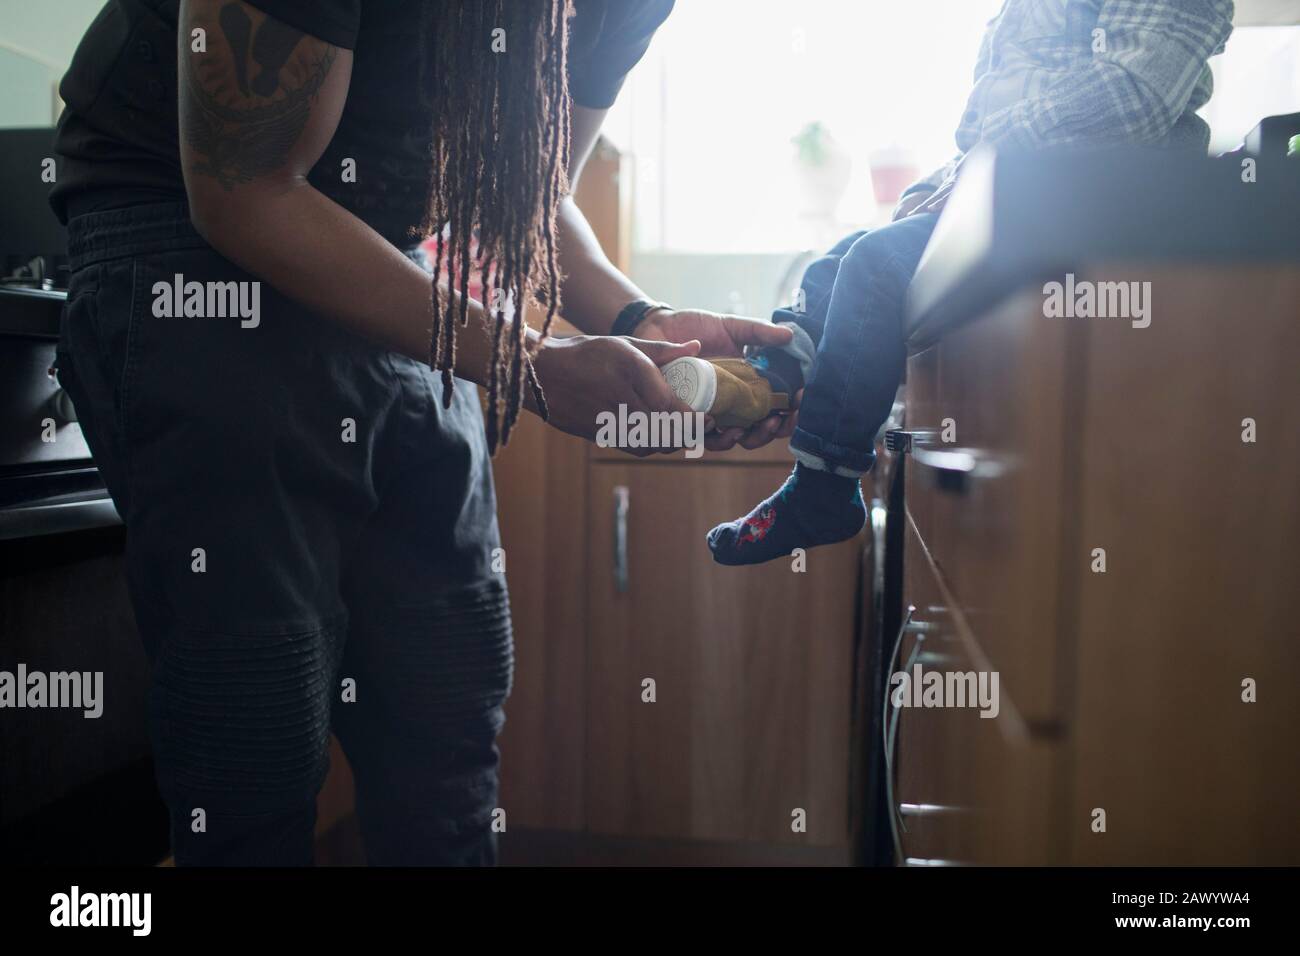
(33, 244)
(72, 789)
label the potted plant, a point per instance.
(822, 168)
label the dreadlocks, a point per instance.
(500, 148)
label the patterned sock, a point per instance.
(811, 508)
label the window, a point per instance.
(710, 113)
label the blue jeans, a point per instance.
(853, 312)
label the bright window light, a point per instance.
(711, 111)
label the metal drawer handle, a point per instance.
(621, 498)
(931, 861)
(889, 671)
(935, 660)
(889, 727)
(930, 810)
(924, 630)
(953, 470)
(903, 441)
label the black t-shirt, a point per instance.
(117, 139)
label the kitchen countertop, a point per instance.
(1017, 219)
(30, 312)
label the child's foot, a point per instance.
(811, 508)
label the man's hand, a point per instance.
(584, 375)
(724, 336)
(720, 336)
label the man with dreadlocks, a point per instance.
(309, 507)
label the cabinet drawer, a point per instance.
(965, 788)
(988, 502)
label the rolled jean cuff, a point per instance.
(802, 348)
(836, 458)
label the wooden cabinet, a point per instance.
(750, 667)
(985, 485)
(680, 700)
(1123, 688)
(743, 754)
(1202, 538)
(971, 783)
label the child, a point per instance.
(1049, 73)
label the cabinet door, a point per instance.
(751, 666)
(1202, 536)
(988, 503)
(968, 783)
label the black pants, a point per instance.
(310, 545)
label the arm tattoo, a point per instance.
(243, 112)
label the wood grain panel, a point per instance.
(1202, 533)
(971, 789)
(603, 195)
(1001, 381)
(752, 669)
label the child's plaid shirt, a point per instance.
(1096, 72)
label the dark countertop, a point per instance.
(30, 312)
(1018, 219)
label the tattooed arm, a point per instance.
(257, 110)
(259, 102)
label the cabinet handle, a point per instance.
(904, 628)
(621, 497)
(898, 812)
(953, 470)
(931, 861)
(888, 730)
(930, 810)
(902, 441)
(879, 521)
(936, 659)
